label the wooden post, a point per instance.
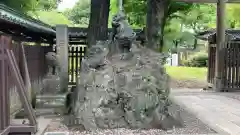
(24, 71)
(221, 7)
(5, 42)
(62, 53)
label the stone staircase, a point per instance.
(50, 101)
(54, 102)
(46, 105)
(50, 107)
(50, 104)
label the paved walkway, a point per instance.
(220, 111)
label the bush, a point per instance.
(197, 60)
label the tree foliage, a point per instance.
(200, 17)
(233, 15)
(31, 5)
(47, 17)
(21, 5)
(155, 15)
(176, 36)
(181, 30)
(80, 13)
(47, 5)
(137, 10)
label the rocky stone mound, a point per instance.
(116, 93)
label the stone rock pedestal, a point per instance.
(123, 93)
(51, 85)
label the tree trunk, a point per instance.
(156, 18)
(98, 23)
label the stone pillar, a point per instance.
(221, 7)
(62, 53)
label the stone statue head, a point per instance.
(51, 56)
(52, 59)
(95, 50)
(118, 17)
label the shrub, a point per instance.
(198, 60)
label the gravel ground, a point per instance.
(187, 84)
(191, 126)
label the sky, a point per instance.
(66, 4)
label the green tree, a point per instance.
(98, 23)
(176, 36)
(136, 12)
(181, 30)
(233, 15)
(80, 13)
(47, 17)
(154, 14)
(31, 5)
(200, 17)
(47, 5)
(21, 5)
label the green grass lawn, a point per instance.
(187, 73)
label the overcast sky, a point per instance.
(66, 4)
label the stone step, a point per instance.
(50, 97)
(56, 133)
(49, 110)
(50, 101)
(71, 120)
(46, 112)
(39, 112)
(47, 106)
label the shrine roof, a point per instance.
(82, 32)
(231, 34)
(13, 21)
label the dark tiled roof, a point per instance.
(17, 18)
(233, 35)
(82, 32)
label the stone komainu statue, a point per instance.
(53, 63)
(122, 34)
(51, 81)
(123, 93)
(130, 93)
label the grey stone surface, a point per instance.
(51, 85)
(116, 93)
(220, 111)
(52, 62)
(190, 125)
(62, 52)
(122, 35)
(51, 82)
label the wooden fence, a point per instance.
(75, 55)
(230, 65)
(37, 68)
(211, 63)
(13, 84)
